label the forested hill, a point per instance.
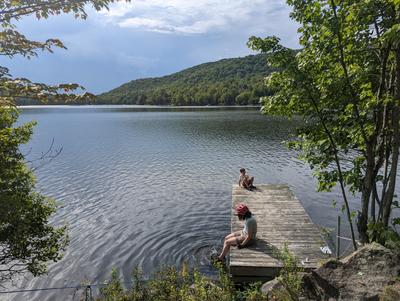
(237, 81)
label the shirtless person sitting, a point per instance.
(245, 181)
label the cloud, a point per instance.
(163, 26)
(146, 23)
(148, 38)
(191, 17)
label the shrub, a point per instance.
(170, 284)
(253, 293)
(386, 236)
(290, 277)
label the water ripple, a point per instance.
(153, 188)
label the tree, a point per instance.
(206, 84)
(27, 239)
(243, 98)
(345, 83)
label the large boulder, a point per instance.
(360, 276)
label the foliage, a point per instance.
(114, 289)
(252, 293)
(13, 42)
(237, 81)
(345, 83)
(290, 276)
(189, 285)
(168, 284)
(27, 241)
(386, 236)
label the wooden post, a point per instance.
(88, 293)
(338, 238)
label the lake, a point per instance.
(151, 186)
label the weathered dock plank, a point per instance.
(281, 220)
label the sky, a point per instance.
(148, 38)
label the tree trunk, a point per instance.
(366, 194)
(374, 198)
(387, 202)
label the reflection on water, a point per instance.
(149, 187)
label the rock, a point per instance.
(268, 287)
(360, 276)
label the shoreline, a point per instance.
(141, 106)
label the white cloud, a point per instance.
(151, 24)
(193, 17)
(164, 26)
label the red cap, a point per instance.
(241, 209)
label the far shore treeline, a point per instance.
(235, 81)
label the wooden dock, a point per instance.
(281, 219)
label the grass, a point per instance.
(185, 284)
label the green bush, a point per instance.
(252, 293)
(185, 284)
(386, 236)
(290, 277)
(170, 284)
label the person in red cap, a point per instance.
(242, 238)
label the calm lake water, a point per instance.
(150, 187)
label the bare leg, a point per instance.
(251, 180)
(234, 234)
(227, 245)
(248, 183)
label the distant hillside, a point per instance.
(237, 81)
